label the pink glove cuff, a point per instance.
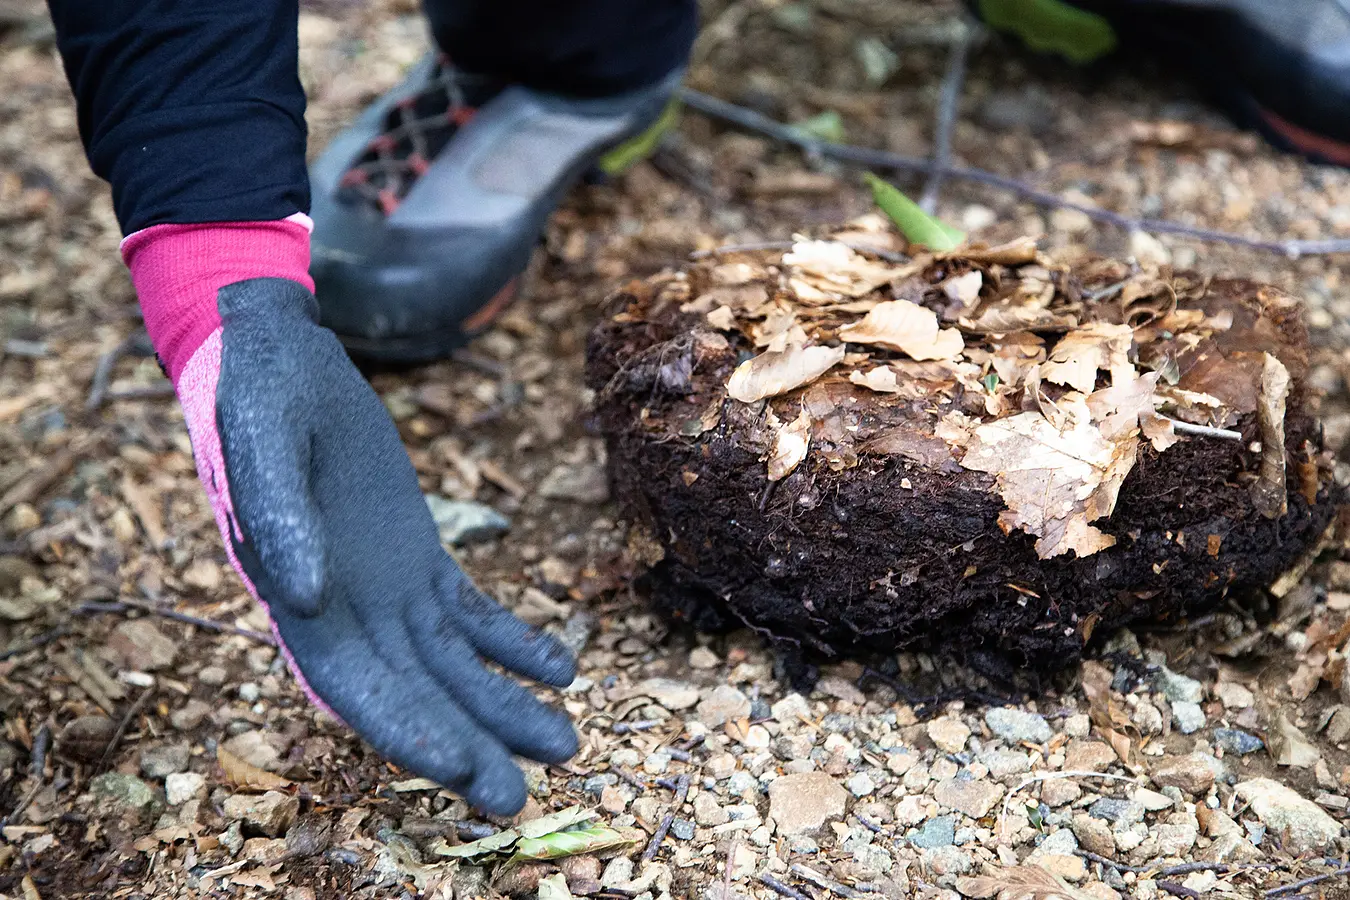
(177, 270)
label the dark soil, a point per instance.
(904, 552)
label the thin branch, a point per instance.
(1178, 890)
(122, 726)
(949, 101)
(781, 889)
(1300, 885)
(1203, 430)
(40, 640)
(681, 793)
(135, 344)
(824, 881)
(867, 157)
(121, 606)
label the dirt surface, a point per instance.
(892, 782)
(878, 538)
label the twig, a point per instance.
(41, 640)
(949, 101)
(1203, 430)
(883, 159)
(31, 486)
(121, 606)
(634, 727)
(825, 882)
(778, 887)
(1300, 885)
(868, 824)
(681, 792)
(135, 344)
(148, 392)
(1181, 869)
(1177, 890)
(122, 726)
(631, 779)
(37, 767)
(25, 349)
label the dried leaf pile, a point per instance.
(933, 387)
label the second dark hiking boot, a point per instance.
(428, 208)
(1279, 66)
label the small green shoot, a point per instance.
(827, 126)
(917, 226)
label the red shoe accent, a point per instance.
(1307, 142)
(495, 307)
(388, 201)
(462, 115)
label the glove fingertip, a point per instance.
(500, 795)
(303, 587)
(553, 664)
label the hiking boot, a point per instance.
(428, 208)
(1279, 66)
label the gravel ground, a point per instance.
(1191, 758)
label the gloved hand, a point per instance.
(322, 514)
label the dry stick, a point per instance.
(681, 792)
(42, 639)
(148, 392)
(825, 882)
(37, 767)
(881, 159)
(1203, 430)
(778, 887)
(1180, 869)
(1177, 890)
(949, 100)
(1300, 885)
(135, 344)
(122, 726)
(120, 606)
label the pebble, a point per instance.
(725, 702)
(860, 785)
(949, 733)
(1003, 763)
(1057, 792)
(124, 794)
(911, 810)
(873, 860)
(1018, 726)
(1118, 812)
(1089, 756)
(801, 804)
(1308, 828)
(1059, 843)
(140, 645)
(1152, 800)
(1201, 882)
(1176, 839)
(708, 812)
(192, 714)
(683, 829)
(948, 861)
(1188, 717)
(585, 483)
(1193, 774)
(973, 798)
(464, 522)
(673, 695)
(1179, 688)
(160, 761)
(619, 871)
(271, 813)
(703, 658)
(180, 787)
(1233, 695)
(790, 711)
(1094, 835)
(1239, 742)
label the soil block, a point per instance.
(852, 449)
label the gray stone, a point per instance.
(1003, 763)
(1120, 813)
(801, 804)
(968, 796)
(673, 695)
(1189, 717)
(683, 829)
(619, 871)
(271, 813)
(724, 703)
(124, 795)
(1176, 839)
(1094, 835)
(1238, 742)
(1338, 729)
(158, 762)
(180, 787)
(1017, 726)
(873, 860)
(939, 831)
(860, 785)
(1180, 688)
(1309, 828)
(1152, 800)
(464, 522)
(948, 861)
(1194, 773)
(585, 483)
(949, 733)
(1060, 843)
(708, 812)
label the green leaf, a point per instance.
(1034, 817)
(591, 839)
(554, 887)
(826, 126)
(991, 382)
(917, 226)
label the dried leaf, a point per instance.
(907, 327)
(964, 289)
(1119, 409)
(558, 821)
(246, 775)
(1005, 318)
(1160, 432)
(554, 887)
(827, 271)
(722, 318)
(881, 379)
(773, 373)
(1079, 354)
(1017, 252)
(1269, 493)
(1018, 883)
(790, 446)
(1014, 355)
(147, 510)
(1054, 482)
(1290, 747)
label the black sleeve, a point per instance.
(191, 109)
